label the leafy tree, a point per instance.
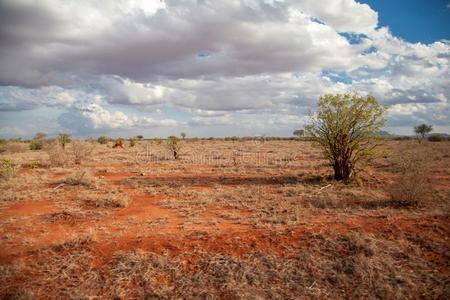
(299, 132)
(64, 139)
(422, 130)
(346, 126)
(139, 137)
(183, 135)
(174, 146)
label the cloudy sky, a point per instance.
(215, 67)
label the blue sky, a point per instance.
(424, 21)
(216, 68)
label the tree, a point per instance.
(173, 145)
(183, 135)
(40, 136)
(422, 130)
(299, 132)
(64, 139)
(139, 137)
(346, 126)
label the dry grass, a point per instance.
(219, 227)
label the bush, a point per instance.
(436, 138)
(57, 156)
(132, 142)
(345, 126)
(103, 140)
(412, 186)
(8, 168)
(118, 143)
(81, 150)
(36, 145)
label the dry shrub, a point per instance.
(412, 186)
(14, 147)
(81, 177)
(57, 156)
(8, 169)
(81, 150)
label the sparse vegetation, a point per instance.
(250, 221)
(345, 126)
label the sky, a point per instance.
(217, 68)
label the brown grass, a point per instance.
(216, 227)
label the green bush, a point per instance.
(8, 168)
(36, 145)
(102, 140)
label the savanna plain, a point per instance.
(227, 219)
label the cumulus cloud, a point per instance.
(210, 62)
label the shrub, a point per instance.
(118, 143)
(132, 142)
(57, 157)
(8, 168)
(102, 140)
(412, 186)
(174, 146)
(36, 145)
(81, 150)
(345, 127)
(64, 139)
(436, 138)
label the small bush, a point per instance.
(132, 142)
(412, 186)
(57, 157)
(80, 178)
(64, 139)
(118, 143)
(36, 145)
(103, 140)
(8, 168)
(81, 150)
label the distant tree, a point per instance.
(40, 136)
(299, 132)
(139, 137)
(174, 146)
(183, 135)
(345, 126)
(64, 139)
(422, 130)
